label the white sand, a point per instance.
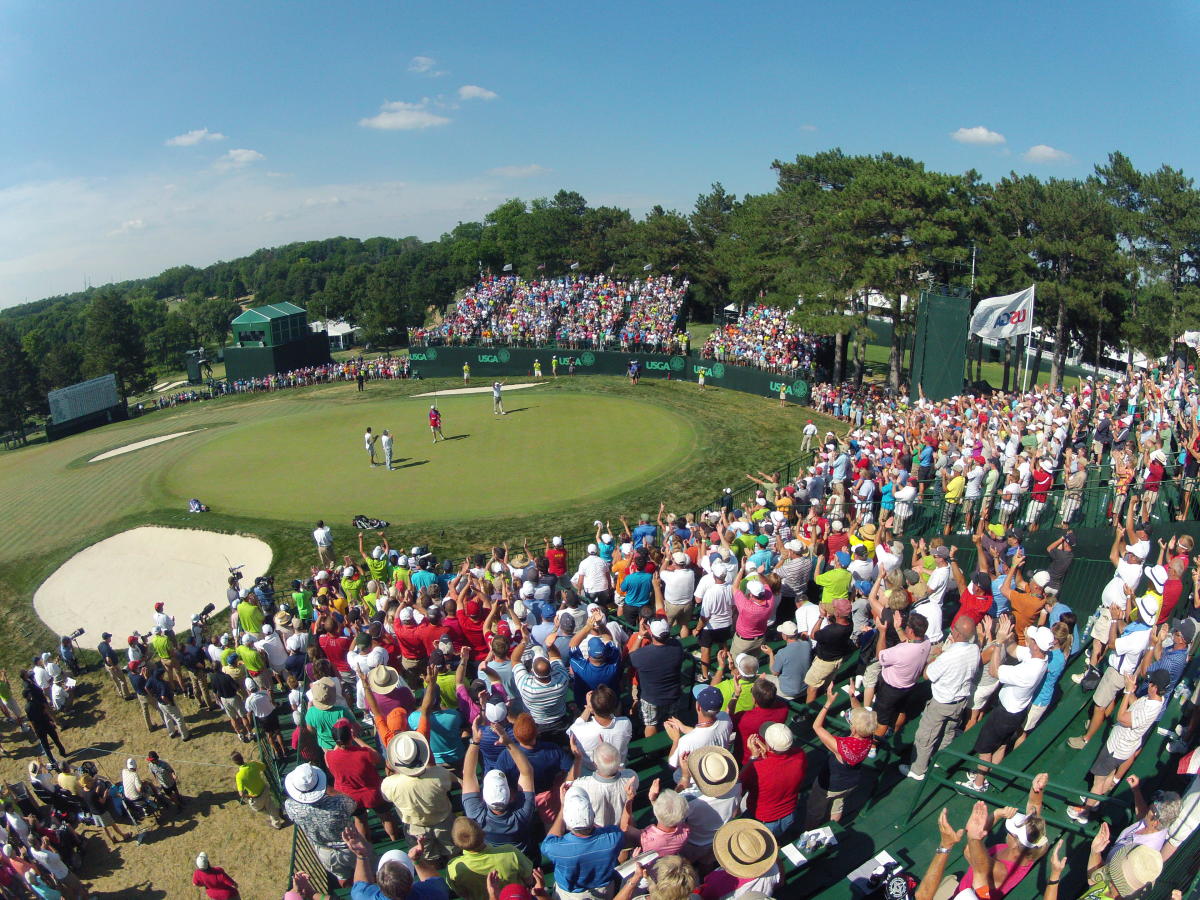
(479, 390)
(113, 585)
(138, 445)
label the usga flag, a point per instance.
(1004, 317)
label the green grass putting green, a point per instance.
(551, 450)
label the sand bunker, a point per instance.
(113, 585)
(138, 445)
(487, 389)
(167, 385)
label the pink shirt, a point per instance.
(903, 664)
(1012, 877)
(665, 843)
(753, 613)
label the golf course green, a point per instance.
(551, 450)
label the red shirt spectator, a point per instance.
(1042, 482)
(411, 641)
(974, 604)
(1154, 476)
(772, 784)
(751, 722)
(431, 634)
(557, 559)
(1172, 591)
(837, 540)
(355, 771)
(470, 620)
(335, 647)
(216, 883)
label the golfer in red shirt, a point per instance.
(435, 424)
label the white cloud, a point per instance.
(237, 159)
(50, 229)
(194, 137)
(807, 127)
(396, 115)
(977, 135)
(475, 92)
(127, 226)
(1044, 153)
(425, 65)
(519, 171)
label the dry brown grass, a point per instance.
(106, 730)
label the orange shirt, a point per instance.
(1025, 609)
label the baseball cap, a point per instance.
(1186, 627)
(941, 552)
(1161, 679)
(1040, 635)
(577, 808)
(596, 648)
(1041, 579)
(495, 788)
(756, 588)
(710, 699)
(659, 628)
(787, 628)
(679, 558)
(778, 737)
(496, 712)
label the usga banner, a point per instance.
(1004, 317)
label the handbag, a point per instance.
(1091, 678)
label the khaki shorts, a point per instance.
(821, 671)
(1033, 717)
(678, 614)
(1111, 684)
(1103, 625)
(231, 707)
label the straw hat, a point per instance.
(283, 618)
(713, 769)
(383, 679)
(408, 753)
(1132, 867)
(745, 848)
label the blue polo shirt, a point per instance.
(588, 677)
(510, 828)
(548, 761)
(644, 531)
(429, 889)
(637, 586)
(583, 863)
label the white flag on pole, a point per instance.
(1191, 338)
(1004, 317)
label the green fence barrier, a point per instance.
(493, 362)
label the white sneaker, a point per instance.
(907, 772)
(1078, 677)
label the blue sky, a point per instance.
(142, 135)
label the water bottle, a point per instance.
(1182, 691)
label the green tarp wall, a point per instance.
(940, 349)
(487, 363)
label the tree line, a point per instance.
(1115, 257)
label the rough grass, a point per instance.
(56, 503)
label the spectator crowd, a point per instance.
(694, 693)
(765, 337)
(596, 312)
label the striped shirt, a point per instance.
(545, 700)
